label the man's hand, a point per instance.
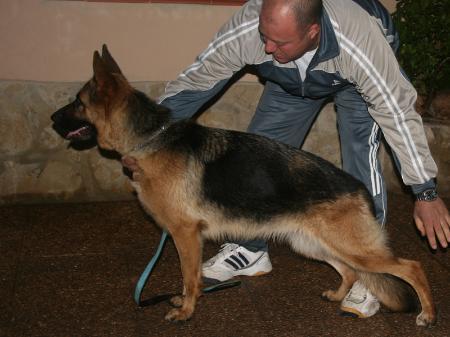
(131, 164)
(433, 220)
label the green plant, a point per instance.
(424, 28)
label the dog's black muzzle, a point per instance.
(69, 126)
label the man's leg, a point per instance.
(283, 117)
(360, 139)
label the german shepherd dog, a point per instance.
(199, 182)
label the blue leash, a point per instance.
(148, 270)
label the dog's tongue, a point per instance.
(76, 133)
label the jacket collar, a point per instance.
(328, 45)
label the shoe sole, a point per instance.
(351, 312)
(259, 273)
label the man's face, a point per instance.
(282, 36)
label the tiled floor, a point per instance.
(70, 270)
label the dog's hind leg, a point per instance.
(348, 232)
(412, 272)
(388, 291)
(348, 278)
(189, 245)
(308, 245)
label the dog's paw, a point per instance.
(178, 314)
(425, 319)
(177, 301)
(331, 295)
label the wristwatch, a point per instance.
(427, 195)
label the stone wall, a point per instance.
(36, 165)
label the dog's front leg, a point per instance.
(188, 242)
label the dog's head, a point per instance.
(97, 108)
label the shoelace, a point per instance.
(357, 294)
(356, 299)
(224, 250)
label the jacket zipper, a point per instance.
(300, 82)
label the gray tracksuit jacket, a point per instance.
(357, 45)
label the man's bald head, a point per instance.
(305, 12)
(290, 28)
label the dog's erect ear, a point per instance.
(109, 61)
(102, 75)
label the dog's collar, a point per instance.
(148, 141)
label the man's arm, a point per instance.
(236, 44)
(370, 64)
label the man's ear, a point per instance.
(102, 75)
(109, 61)
(313, 31)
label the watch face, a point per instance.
(427, 195)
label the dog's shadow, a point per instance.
(210, 287)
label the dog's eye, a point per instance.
(78, 104)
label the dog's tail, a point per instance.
(394, 293)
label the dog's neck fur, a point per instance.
(146, 121)
(148, 142)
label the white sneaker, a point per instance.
(360, 302)
(233, 260)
